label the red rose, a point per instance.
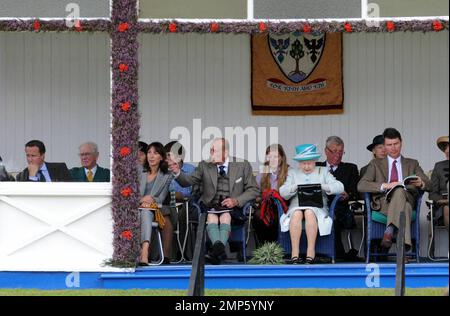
(123, 27)
(125, 151)
(37, 25)
(348, 27)
(172, 27)
(123, 67)
(214, 27)
(262, 26)
(125, 106)
(306, 28)
(390, 26)
(126, 192)
(127, 234)
(437, 25)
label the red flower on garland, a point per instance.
(306, 28)
(126, 192)
(348, 27)
(127, 234)
(125, 151)
(262, 26)
(123, 67)
(78, 25)
(125, 106)
(390, 26)
(123, 26)
(172, 27)
(437, 26)
(214, 27)
(37, 25)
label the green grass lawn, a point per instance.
(271, 292)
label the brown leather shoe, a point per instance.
(387, 241)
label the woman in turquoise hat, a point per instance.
(316, 219)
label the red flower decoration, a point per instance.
(437, 25)
(126, 192)
(348, 27)
(306, 28)
(214, 27)
(123, 27)
(37, 25)
(78, 25)
(125, 106)
(127, 234)
(125, 151)
(172, 27)
(262, 26)
(390, 26)
(123, 67)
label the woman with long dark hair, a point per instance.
(154, 187)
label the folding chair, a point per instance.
(433, 228)
(376, 225)
(156, 230)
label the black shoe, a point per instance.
(310, 260)
(218, 249)
(143, 264)
(211, 259)
(166, 260)
(352, 255)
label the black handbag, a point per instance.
(310, 195)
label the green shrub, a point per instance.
(268, 253)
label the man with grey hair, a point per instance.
(227, 185)
(89, 171)
(348, 174)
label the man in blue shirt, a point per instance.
(175, 151)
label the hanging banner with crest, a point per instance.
(297, 74)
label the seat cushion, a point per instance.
(381, 218)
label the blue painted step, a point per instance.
(281, 276)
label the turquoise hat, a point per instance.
(306, 152)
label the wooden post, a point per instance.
(197, 279)
(400, 273)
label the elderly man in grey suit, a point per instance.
(226, 184)
(384, 174)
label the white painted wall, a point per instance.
(54, 87)
(398, 80)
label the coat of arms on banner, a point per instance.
(297, 73)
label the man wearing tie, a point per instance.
(226, 184)
(347, 173)
(40, 171)
(384, 174)
(89, 171)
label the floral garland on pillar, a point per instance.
(125, 132)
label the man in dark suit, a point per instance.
(89, 171)
(347, 173)
(226, 184)
(40, 171)
(385, 174)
